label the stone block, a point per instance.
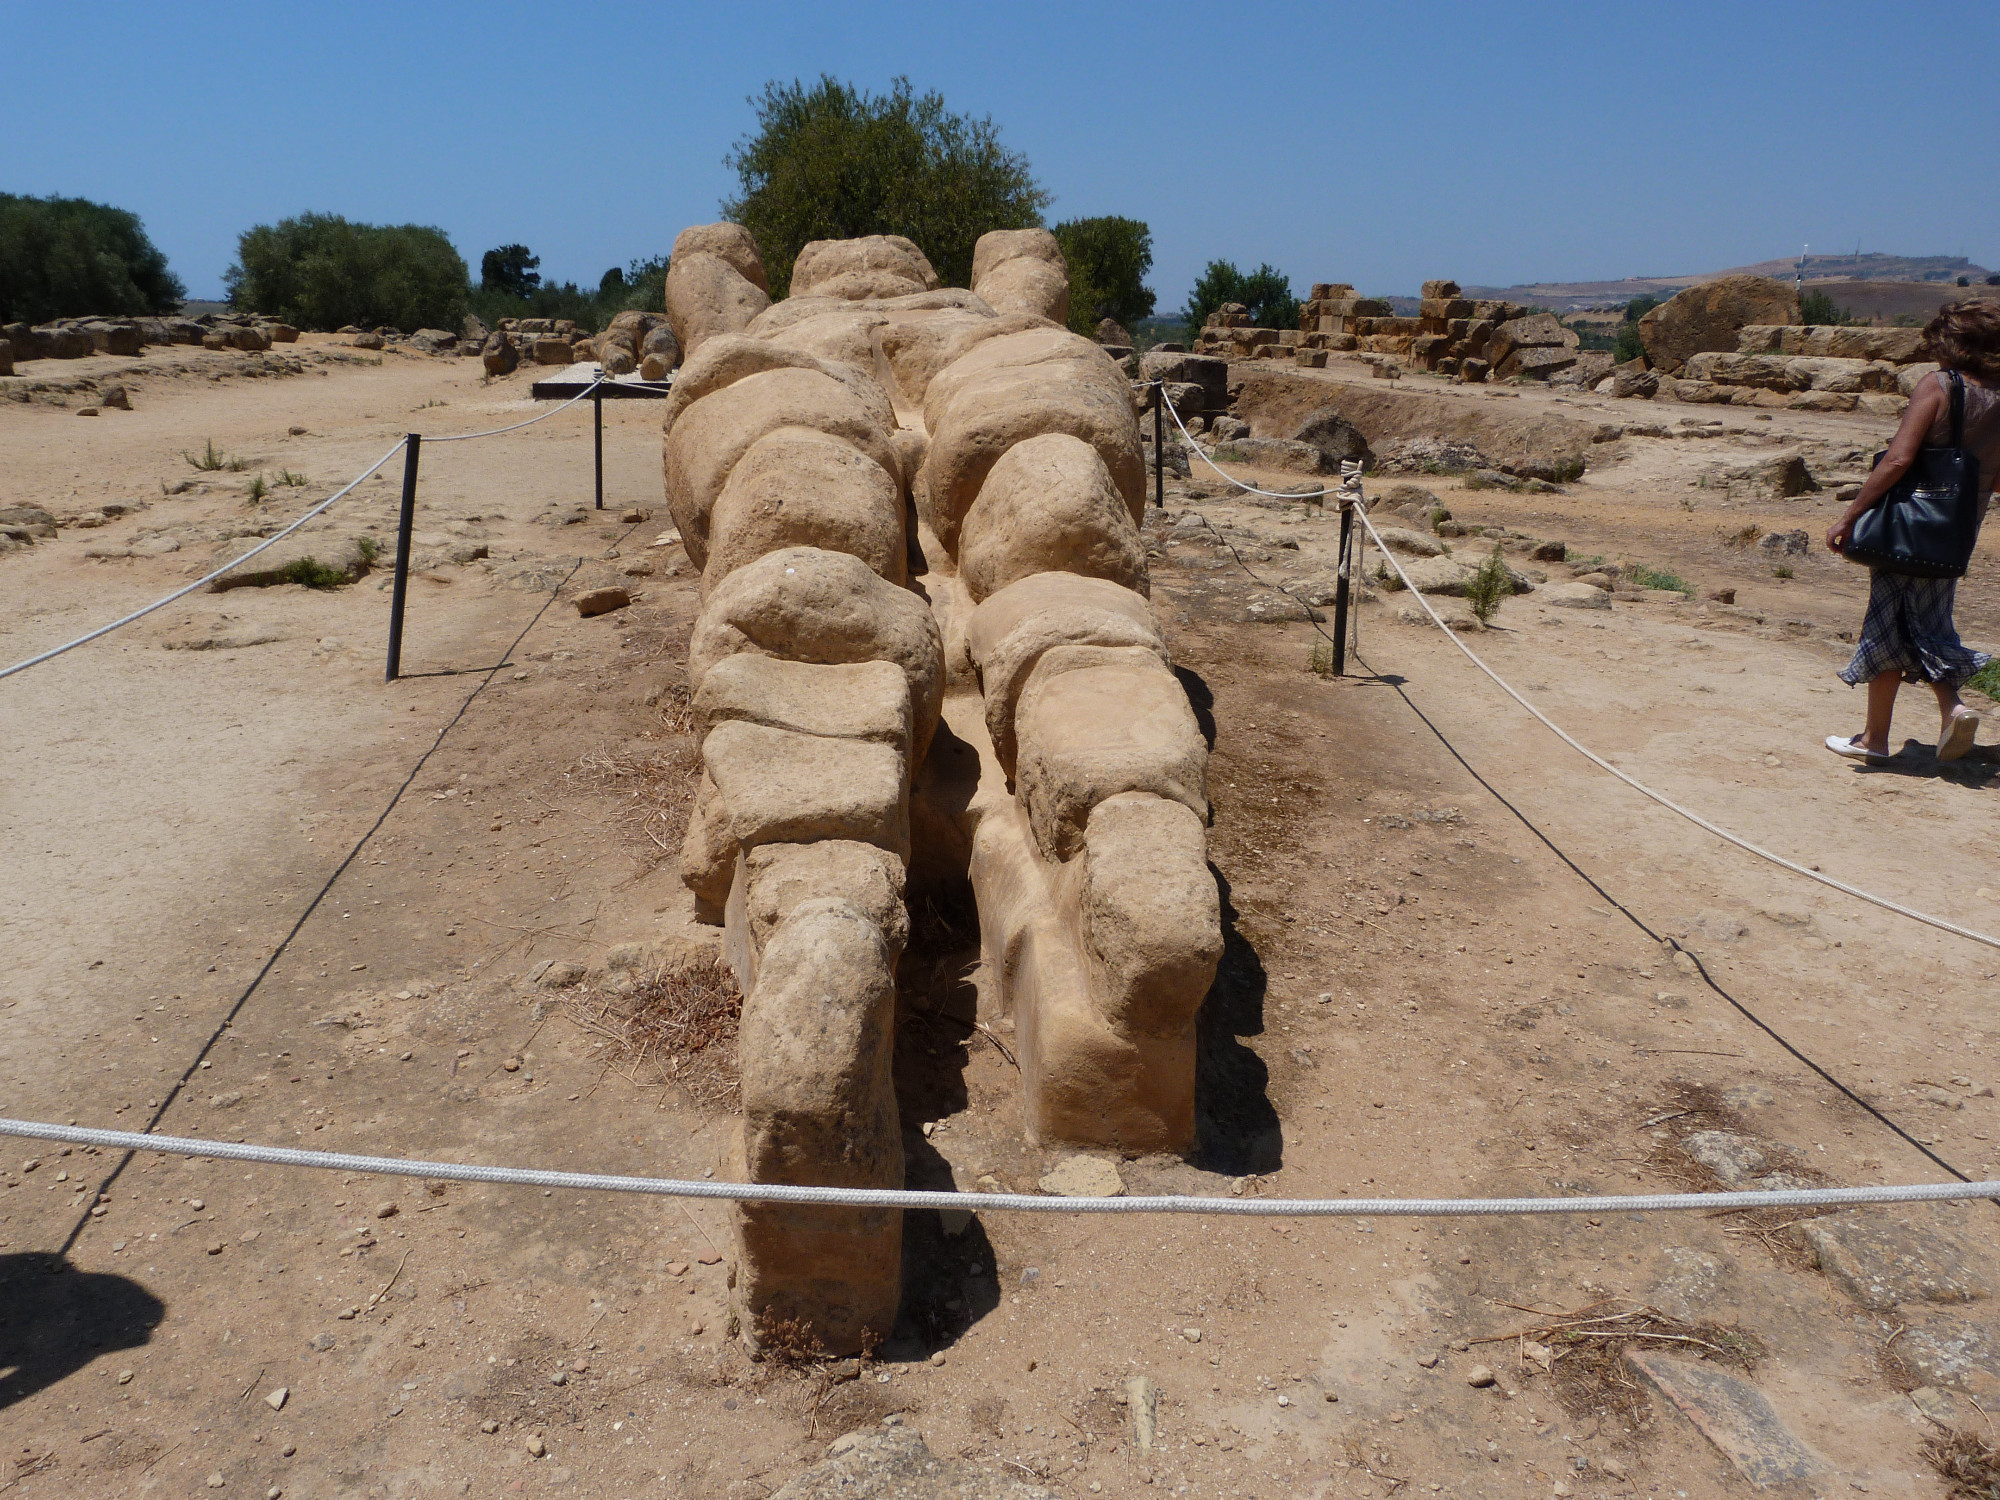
(1440, 289)
(819, 1107)
(1883, 1258)
(867, 700)
(783, 787)
(1150, 914)
(1095, 721)
(1731, 1413)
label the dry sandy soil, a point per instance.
(249, 891)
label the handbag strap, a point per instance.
(1956, 383)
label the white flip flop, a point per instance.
(1842, 746)
(1957, 735)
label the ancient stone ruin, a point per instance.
(925, 655)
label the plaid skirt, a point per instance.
(1908, 629)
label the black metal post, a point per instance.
(1340, 591)
(597, 421)
(404, 525)
(1159, 450)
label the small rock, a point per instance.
(277, 1399)
(1722, 596)
(216, 1481)
(634, 517)
(194, 1203)
(215, 1247)
(694, 1327)
(274, 1493)
(578, 1366)
(489, 1427)
(87, 411)
(321, 1342)
(1613, 1466)
(1942, 1098)
(348, 1314)
(536, 1447)
(289, 1449)
(938, 1358)
(1479, 1377)
(677, 1268)
(1428, 1361)
(561, 1377)
(1084, 1177)
(602, 601)
(712, 1258)
(1287, 1401)
(124, 1377)
(386, 1210)
(1192, 1335)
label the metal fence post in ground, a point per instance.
(597, 421)
(1159, 449)
(411, 445)
(1340, 589)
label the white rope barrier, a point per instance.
(766, 1192)
(460, 437)
(1599, 761)
(181, 593)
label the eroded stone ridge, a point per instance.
(925, 646)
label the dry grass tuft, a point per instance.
(679, 1027)
(1583, 1353)
(652, 794)
(789, 1342)
(1969, 1467)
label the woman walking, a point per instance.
(1908, 635)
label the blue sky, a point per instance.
(1378, 145)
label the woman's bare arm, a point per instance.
(1923, 411)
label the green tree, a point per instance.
(1638, 307)
(69, 257)
(833, 162)
(509, 269)
(1817, 307)
(1266, 291)
(1108, 260)
(321, 271)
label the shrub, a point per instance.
(1626, 344)
(291, 478)
(1817, 307)
(313, 573)
(69, 257)
(832, 162)
(1986, 680)
(1487, 587)
(370, 548)
(259, 489)
(322, 271)
(1266, 291)
(1569, 470)
(1658, 578)
(1108, 260)
(1320, 662)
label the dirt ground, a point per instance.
(250, 891)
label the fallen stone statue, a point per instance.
(925, 654)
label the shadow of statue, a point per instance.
(54, 1320)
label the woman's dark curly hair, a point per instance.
(1966, 336)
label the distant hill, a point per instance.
(1846, 278)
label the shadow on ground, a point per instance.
(54, 1320)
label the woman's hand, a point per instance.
(1838, 533)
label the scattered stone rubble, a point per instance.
(1016, 724)
(77, 338)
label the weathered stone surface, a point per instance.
(1415, 543)
(877, 265)
(1734, 1159)
(1883, 1258)
(1204, 370)
(1006, 390)
(1712, 316)
(893, 1463)
(1535, 362)
(731, 243)
(1151, 914)
(1095, 721)
(708, 437)
(708, 852)
(1946, 1351)
(1049, 505)
(798, 487)
(780, 877)
(1083, 1177)
(1731, 1413)
(819, 1106)
(1573, 596)
(1540, 330)
(1334, 436)
(1011, 630)
(602, 601)
(783, 787)
(499, 355)
(807, 604)
(550, 350)
(1276, 453)
(865, 700)
(345, 553)
(1021, 270)
(706, 295)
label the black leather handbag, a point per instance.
(1927, 524)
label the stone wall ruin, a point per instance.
(925, 654)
